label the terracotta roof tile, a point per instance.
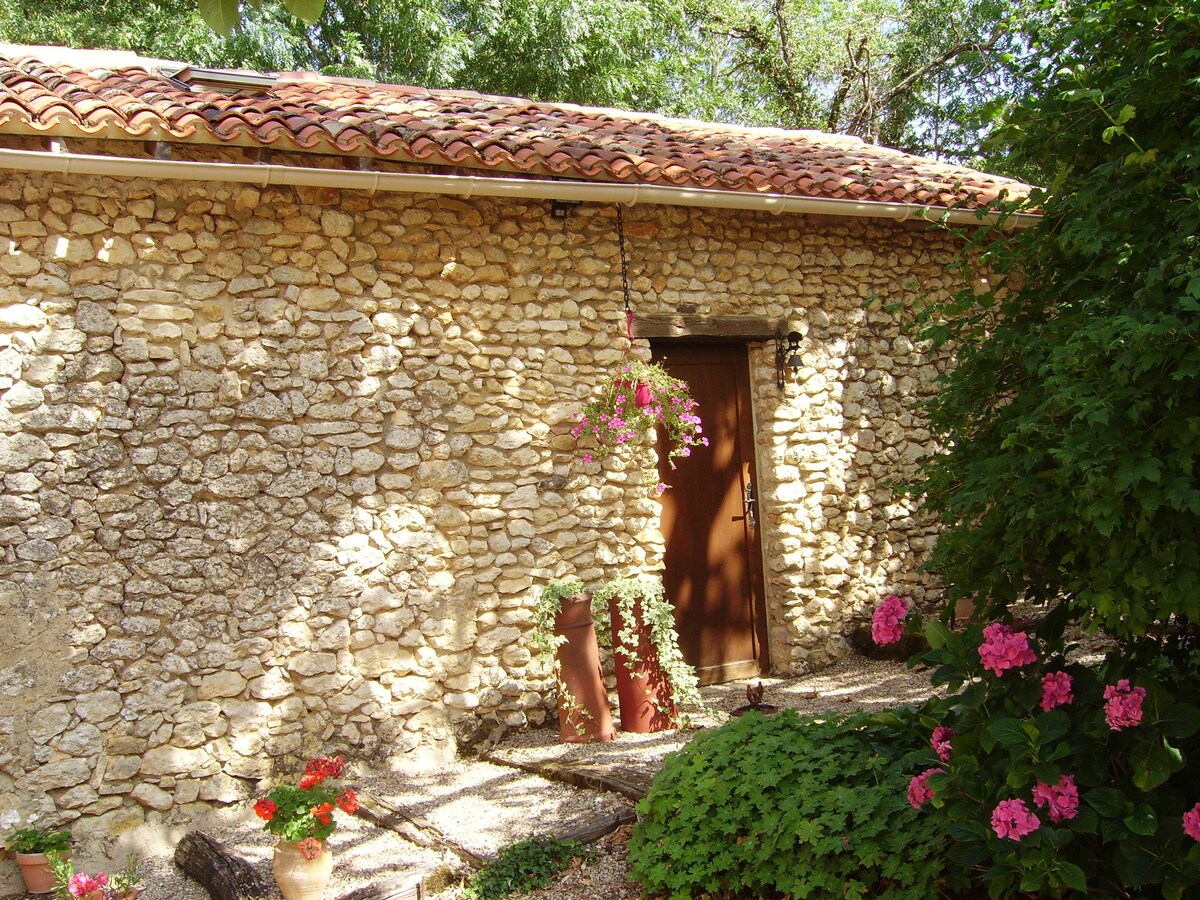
(121, 96)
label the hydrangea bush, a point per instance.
(1053, 777)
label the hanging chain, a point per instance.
(624, 274)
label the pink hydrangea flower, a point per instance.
(1056, 690)
(1012, 819)
(886, 627)
(1004, 649)
(1191, 823)
(919, 791)
(1062, 798)
(1123, 705)
(941, 742)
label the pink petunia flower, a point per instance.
(886, 627)
(1056, 690)
(1062, 798)
(1004, 649)
(1012, 819)
(1123, 705)
(919, 791)
(1191, 823)
(941, 742)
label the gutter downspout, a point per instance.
(65, 163)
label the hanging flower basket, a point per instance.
(636, 397)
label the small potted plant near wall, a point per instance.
(123, 885)
(302, 817)
(653, 680)
(565, 634)
(30, 845)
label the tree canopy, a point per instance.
(1073, 417)
(924, 75)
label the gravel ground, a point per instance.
(484, 806)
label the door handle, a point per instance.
(750, 503)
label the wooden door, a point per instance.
(713, 572)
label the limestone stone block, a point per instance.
(309, 663)
(177, 761)
(220, 684)
(22, 316)
(152, 797)
(98, 706)
(64, 773)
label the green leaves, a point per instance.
(776, 805)
(222, 16)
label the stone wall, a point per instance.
(284, 470)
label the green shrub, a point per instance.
(784, 805)
(523, 866)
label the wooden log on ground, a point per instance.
(628, 784)
(593, 826)
(412, 826)
(410, 887)
(223, 875)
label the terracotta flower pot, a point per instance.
(299, 878)
(35, 869)
(643, 689)
(583, 713)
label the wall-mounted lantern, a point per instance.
(787, 356)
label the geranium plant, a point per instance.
(303, 813)
(123, 885)
(636, 397)
(35, 839)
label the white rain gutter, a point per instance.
(466, 186)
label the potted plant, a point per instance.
(30, 845)
(302, 817)
(653, 680)
(124, 885)
(565, 633)
(636, 397)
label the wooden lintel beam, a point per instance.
(683, 325)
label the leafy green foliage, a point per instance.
(33, 839)
(523, 866)
(642, 606)
(784, 805)
(929, 76)
(1134, 783)
(1072, 419)
(925, 75)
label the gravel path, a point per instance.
(484, 806)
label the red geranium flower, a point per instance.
(321, 813)
(310, 848)
(264, 808)
(348, 801)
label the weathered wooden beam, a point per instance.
(410, 887)
(412, 826)
(748, 328)
(223, 875)
(593, 826)
(593, 777)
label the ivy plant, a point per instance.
(528, 864)
(643, 608)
